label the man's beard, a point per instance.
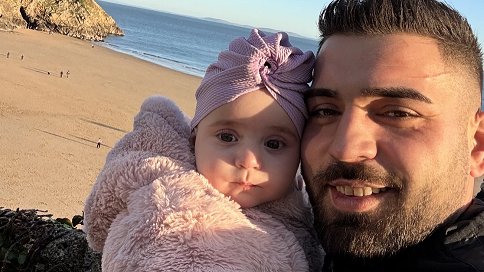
(397, 223)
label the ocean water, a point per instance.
(181, 43)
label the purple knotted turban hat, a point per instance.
(252, 64)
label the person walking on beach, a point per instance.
(67, 74)
(8, 54)
(22, 57)
(61, 73)
(99, 141)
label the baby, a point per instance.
(220, 194)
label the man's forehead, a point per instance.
(384, 61)
(394, 65)
(418, 53)
(390, 41)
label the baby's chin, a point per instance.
(245, 202)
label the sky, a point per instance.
(287, 15)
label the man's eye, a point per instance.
(400, 114)
(274, 144)
(324, 112)
(226, 137)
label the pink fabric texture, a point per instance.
(149, 210)
(252, 64)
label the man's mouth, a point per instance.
(357, 198)
(359, 191)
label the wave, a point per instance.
(170, 63)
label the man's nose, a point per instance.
(354, 139)
(248, 158)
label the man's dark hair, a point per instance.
(428, 18)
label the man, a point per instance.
(395, 138)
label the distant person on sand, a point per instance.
(67, 74)
(22, 57)
(222, 187)
(61, 73)
(8, 54)
(99, 141)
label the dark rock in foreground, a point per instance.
(83, 19)
(32, 242)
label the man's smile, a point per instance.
(357, 199)
(359, 191)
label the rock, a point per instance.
(33, 242)
(70, 252)
(83, 19)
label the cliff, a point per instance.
(83, 19)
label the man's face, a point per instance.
(385, 152)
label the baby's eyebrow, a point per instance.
(225, 122)
(283, 130)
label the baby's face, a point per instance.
(248, 149)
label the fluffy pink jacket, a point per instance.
(149, 210)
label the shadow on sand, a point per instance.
(65, 138)
(38, 70)
(89, 141)
(103, 125)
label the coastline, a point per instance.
(50, 125)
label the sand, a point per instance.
(49, 126)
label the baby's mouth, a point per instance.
(246, 185)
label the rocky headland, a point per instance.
(83, 19)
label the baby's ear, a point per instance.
(193, 136)
(299, 181)
(477, 150)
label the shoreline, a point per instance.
(152, 59)
(51, 124)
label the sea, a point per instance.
(181, 43)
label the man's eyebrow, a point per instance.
(391, 92)
(396, 92)
(312, 92)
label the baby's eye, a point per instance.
(227, 137)
(274, 144)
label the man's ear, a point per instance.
(477, 151)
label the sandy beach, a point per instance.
(49, 126)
